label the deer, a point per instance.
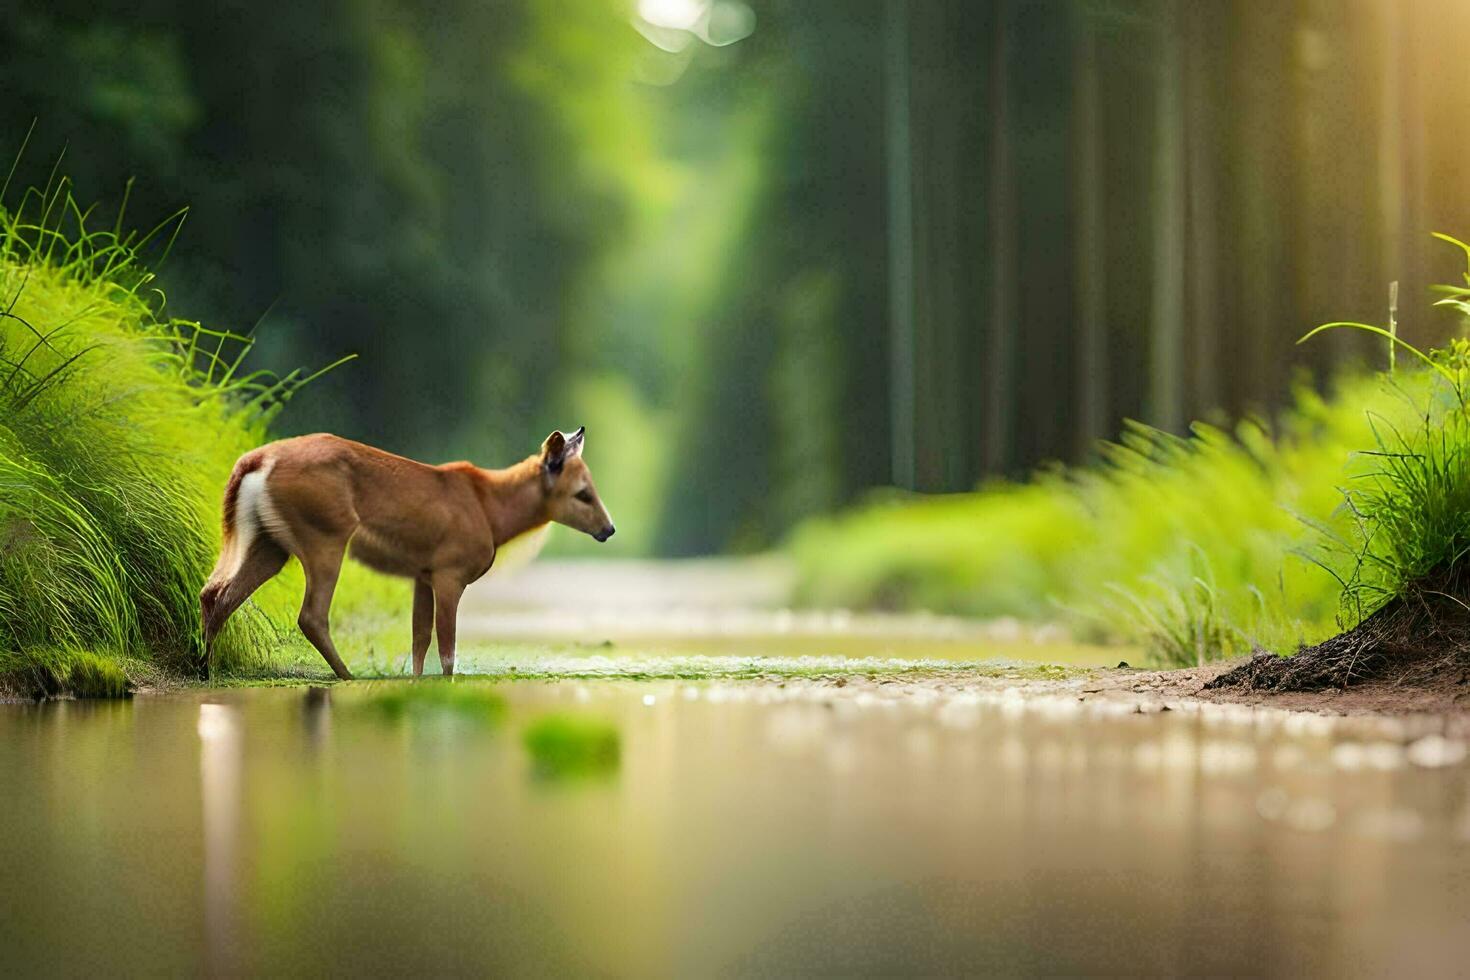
(319, 498)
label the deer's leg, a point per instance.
(219, 600)
(423, 623)
(322, 561)
(446, 611)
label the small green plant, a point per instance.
(1180, 620)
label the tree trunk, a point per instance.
(1166, 348)
(1001, 357)
(899, 140)
(1092, 377)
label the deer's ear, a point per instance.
(574, 442)
(553, 451)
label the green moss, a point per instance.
(567, 746)
(48, 673)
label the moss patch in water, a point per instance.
(566, 746)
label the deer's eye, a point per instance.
(585, 496)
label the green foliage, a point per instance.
(428, 186)
(567, 746)
(1198, 547)
(1410, 499)
(47, 672)
(1157, 543)
(1180, 622)
(1412, 506)
(1188, 545)
(842, 252)
(118, 426)
(1456, 297)
(987, 554)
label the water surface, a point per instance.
(737, 828)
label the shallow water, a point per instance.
(738, 828)
(725, 607)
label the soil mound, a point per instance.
(1421, 640)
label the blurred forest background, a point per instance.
(773, 253)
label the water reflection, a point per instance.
(220, 775)
(436, 700)
(316, 717)
(698, 828)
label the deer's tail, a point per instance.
(240, 520)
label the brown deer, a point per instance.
(318, 497)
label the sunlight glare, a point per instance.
(679, 15)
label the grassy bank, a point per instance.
(118, 426)
(1268, 535)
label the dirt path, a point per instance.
(1443, 709)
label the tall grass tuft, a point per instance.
(118, 426)
(1409, 499)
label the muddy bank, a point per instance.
(1443, 697)
(1143, 690)
(1438, 705)
(1436, 695)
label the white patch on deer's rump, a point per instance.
(247, 504)
(267, 518)
(246, 524)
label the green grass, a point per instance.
(1177, 544)
(118, 427)
(1270, 534)
(76, 672)
(1410, 506)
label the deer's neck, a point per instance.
(515, 501)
